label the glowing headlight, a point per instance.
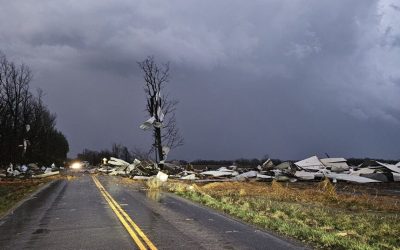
(76, 165)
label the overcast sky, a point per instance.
(287, 78)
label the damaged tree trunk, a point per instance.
(160, 108)
(157, 132)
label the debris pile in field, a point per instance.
(310, 169)
(337, 169)
(122, 168)
(30, 170)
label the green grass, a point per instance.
(319, 217)
(13, 192)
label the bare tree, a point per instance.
(27, 128)
(15, 97)
(120, 151)
(160, 107)
(140, 154)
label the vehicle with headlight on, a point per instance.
(76, 166)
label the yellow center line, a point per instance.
(136, 227)
(121, 218)
(128, 218)
(125, 217)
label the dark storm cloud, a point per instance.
(284, 78)
(395, 7)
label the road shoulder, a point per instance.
(41, 188)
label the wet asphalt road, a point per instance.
(74, 215)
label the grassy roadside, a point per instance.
(11, 192)
(317, 215)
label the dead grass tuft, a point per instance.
(328, 189)
(154, 183)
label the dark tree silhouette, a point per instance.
(160, 107)
(27, 128)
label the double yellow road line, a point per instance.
(134, 231)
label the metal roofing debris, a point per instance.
(246, 175)
(308, 169)
(189, 177)
(264, 177)
(267, 165)
(220, 173)
(304, 175)
(337, 164)
(138, 177)
(30, 170)
(284, 165)
(165, 150)
(383, 177)
(312, 163)
(162, 176)
(391, 167)
(333, 160)
(46, 174)
(117, 162)
(339, 169)
(48, 170)
(362, 171)
(148, 123)
(351, 178)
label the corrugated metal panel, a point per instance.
(310, 163)
(390, 167)
(352, 178)
(333, 160)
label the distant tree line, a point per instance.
(238, 162)
(256, 162)
(27, 127)
(122, 152)
(358, 161)
(119, 151)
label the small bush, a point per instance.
(154, 183)
(328, 189)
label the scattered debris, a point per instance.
(191, 177)
(141, 177)
(351, 178)
(29, 170)
(46, 174)
(246, 176)
(310, 164)
(221, 172)
(304, 175)
(148, 123)
(267, 165)
(162, 177)
(264, 177)
(310, 169)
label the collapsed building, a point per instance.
(309, 169)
